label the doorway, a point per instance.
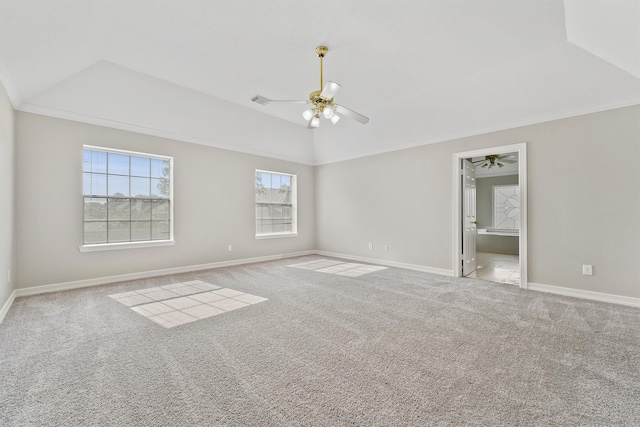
(501, 254)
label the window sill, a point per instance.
(125, 245)
(275, 236)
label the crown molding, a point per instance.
(114, 124)
(481, 131)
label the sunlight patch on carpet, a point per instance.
(349, 269)
(180, 303)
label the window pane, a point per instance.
(268, 179)
(117, 189)
(262, 212)
(118, 164)
(118, 186)
(160, 230)
(140, 166)
(140, 187)
(95, 209)
(262, 195)
(94, 161)
(141, 210)
(281, 195)
(275, 181)
(159, 168)
(141, 230)
(119, 231)
(119, 210)
(259, 186)
(86, 160)
(160, 187)
(506, 206)
(95, 232)
(160, 209)
(94, 184)
(274, 208)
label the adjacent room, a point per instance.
(319, 214)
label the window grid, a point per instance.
(130, 227)
(275, 203)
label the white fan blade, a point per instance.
(352, 114)
(330, 90)
(263, 100)
(508, 161)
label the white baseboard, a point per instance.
(36, 290)
(415, 267)
(596, 296)
(7, 306)
(578, 293)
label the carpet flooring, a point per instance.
(388, 348)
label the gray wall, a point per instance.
(484, 210)
(578, 213)
(213, 194)
(581, 210)
(7, 191)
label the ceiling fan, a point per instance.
(321, 101)
(493, 160)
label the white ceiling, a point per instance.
(423, 71)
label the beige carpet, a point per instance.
(387, 348)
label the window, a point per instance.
(127, 197)
(506, 207)
(275, 204)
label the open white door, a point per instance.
(469, 218)
(463, 222)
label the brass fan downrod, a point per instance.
(314, 97)
(321, 51)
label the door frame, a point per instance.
(521, 149)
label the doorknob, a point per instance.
(475, 222)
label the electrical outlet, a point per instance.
(587, 270)
(370, 246)
(386, 248)
(229, 248)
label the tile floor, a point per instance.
(181, 303)
(497, 268)
(330, 266)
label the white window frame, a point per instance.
(294, 207)
(136, 244)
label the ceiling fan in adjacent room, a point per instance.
(493, 160)
(322, 103)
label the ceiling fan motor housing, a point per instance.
(319, 101)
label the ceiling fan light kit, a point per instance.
(494, 160)
(322, 103)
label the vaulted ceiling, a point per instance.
(423, 71)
